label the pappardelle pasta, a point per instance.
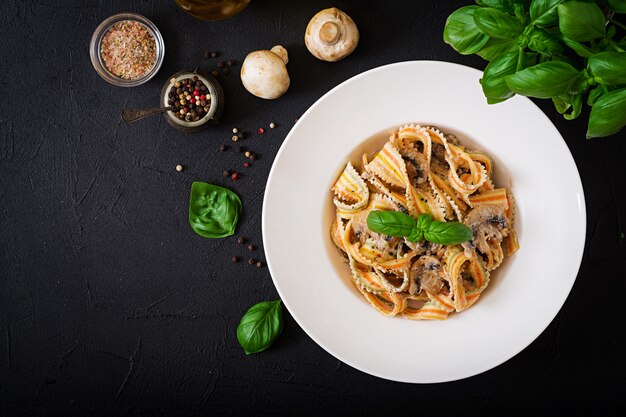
(422, 170)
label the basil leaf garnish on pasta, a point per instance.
(390, 223)
(447, 233)
(398, 224)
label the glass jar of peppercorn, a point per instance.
(196, 100)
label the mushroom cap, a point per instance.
(264, 74)
(331, 35)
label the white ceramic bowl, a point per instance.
(523, 296)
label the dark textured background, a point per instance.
(110, 304)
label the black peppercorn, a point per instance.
(251, 261)
(215, 73)
(223, 147)
(241, 149)
(259, 264)
(241, 240)
(220, 64)
(235, 258)
(251, 247)
(226, 71)
(226, 173)
(253, 157)
(214, 54)
(231, 62)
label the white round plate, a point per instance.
(523, 296)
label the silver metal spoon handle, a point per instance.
(132, 115)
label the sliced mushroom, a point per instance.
(422, 247)
(426, 273)
(331, 35)
(417, 167)
(363, 233)
(489, 224)
(264, 73)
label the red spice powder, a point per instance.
(128, 50)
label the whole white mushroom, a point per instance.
(331, 35)
(264, 73)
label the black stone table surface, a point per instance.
(111, 305)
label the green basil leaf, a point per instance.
(519, 9)
(213, 210)
(544, 58)
(608, 114)
(424, 221)
(390, 223)
(579, 48)
(416, 235)
(461, 32)
(608, 67)
(497, 24)
(581, 21)
(495, 47)
(504, 5)
(618, 5)
(422, 224)
(545, 80)
(544, 12)
(448, 233)
(562, 103)
(611, 31)
(493, 82)
(577, 105)
(541, 42)
(595, 94)
(260, 326)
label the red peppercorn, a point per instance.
(202, 97)
(234, 176)
(192, 100)
(246, 164)
(186, 109)
(196, 93)
(261, 131)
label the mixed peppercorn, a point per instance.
(223, 66)
(190, 97)
(251, 261)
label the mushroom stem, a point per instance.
(281, 52)
(329, 33)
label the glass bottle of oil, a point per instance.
(212, 9)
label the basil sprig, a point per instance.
(213, 210)
(532, 46)
(462, 32)
(260, 326)
(398, 224)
